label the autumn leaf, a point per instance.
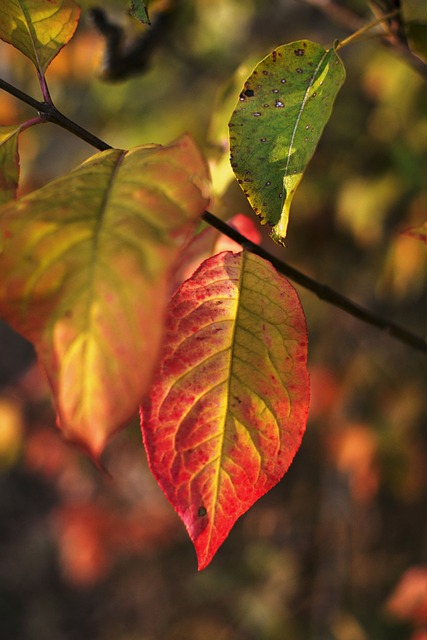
(276, 125)
(244, 225)
(38, 28)
(228, 407)
(84, 274)
(9, 163)
(138, 9)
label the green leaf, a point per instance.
(138, 9)
(85, 268)
(274, 130)
(9, 163)
(38, 28)
(229, 403)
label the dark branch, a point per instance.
(322, 291)
(50, 114)
(55, 116)
(24, 97)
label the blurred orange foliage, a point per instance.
(409, 600)
(80, 59)
(353, 448)
(90, 537)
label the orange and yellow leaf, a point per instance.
(228, 407)
(38, 28)
(9, 162)
(85, 267)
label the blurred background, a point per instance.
(338, 549)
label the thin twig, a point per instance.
(350, 21)
(53, 115)
(49, 113)
(367, 27)
(322, 291)
(24, 97)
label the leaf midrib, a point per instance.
(300, 112)
(32, 34)
(228, 393)
(92, 270)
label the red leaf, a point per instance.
(228, 408)
(246, 226)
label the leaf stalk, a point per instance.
(356, 35)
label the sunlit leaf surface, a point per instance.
(274, 130)
(138, 9)
(228, 408)
(38, 28)
(84, 274)
(9, 163)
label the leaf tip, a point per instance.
(91, 445)
(204, 555)
(203, 563)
